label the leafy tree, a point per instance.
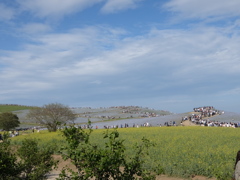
(52, 115)
(109, 162)
(8, 121)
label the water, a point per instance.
(153, 121)
(131, 118)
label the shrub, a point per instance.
(109, 162)
(9, 167)
(28, 162)
(35, 163)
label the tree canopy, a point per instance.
(52, 115)
(8, 121)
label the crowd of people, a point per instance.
(202, 115)
(146, 124)
(207, 122)
(207, 111)
(126, 125)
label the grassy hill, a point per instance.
(12, 107)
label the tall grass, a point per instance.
(179, 151)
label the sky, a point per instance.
(164, 54)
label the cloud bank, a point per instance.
(100, 64)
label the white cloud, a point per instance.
(159, 60)
(6, 13)
(55, 8)
(96, 82)
(113, 6)
(234, 91)
(34, 28)
(204, 8)
(55, 58)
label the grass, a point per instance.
(179, 151)
(10, 108)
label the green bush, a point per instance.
(26, 163)
(9, 167)
(108, 162)
(35, 163)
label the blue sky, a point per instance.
(164, 54)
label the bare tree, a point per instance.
(52, 115)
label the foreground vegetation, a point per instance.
(179, 151)
(28, 161)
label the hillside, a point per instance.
(13, 107)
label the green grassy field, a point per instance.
(10, 108)
(179, 151)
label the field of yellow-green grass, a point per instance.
(179, 151)
(10, 108)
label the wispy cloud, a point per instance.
(58, 8)
(35, 28)
(7, 13)
(171, 57)
(113, 6)
(55, 8)
(235, 91)
(102, 58)
(204, 8)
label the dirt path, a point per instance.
(188, 123)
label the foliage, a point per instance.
(27, 163)
(52, 115)
(8, 121)
(9, 167)
(109, 162)
(35, 162)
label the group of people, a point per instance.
(207, 111)
(202, 118)
(13, 133)
(126, 125)
(146, 124)
(171, 123)
(207, 122)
